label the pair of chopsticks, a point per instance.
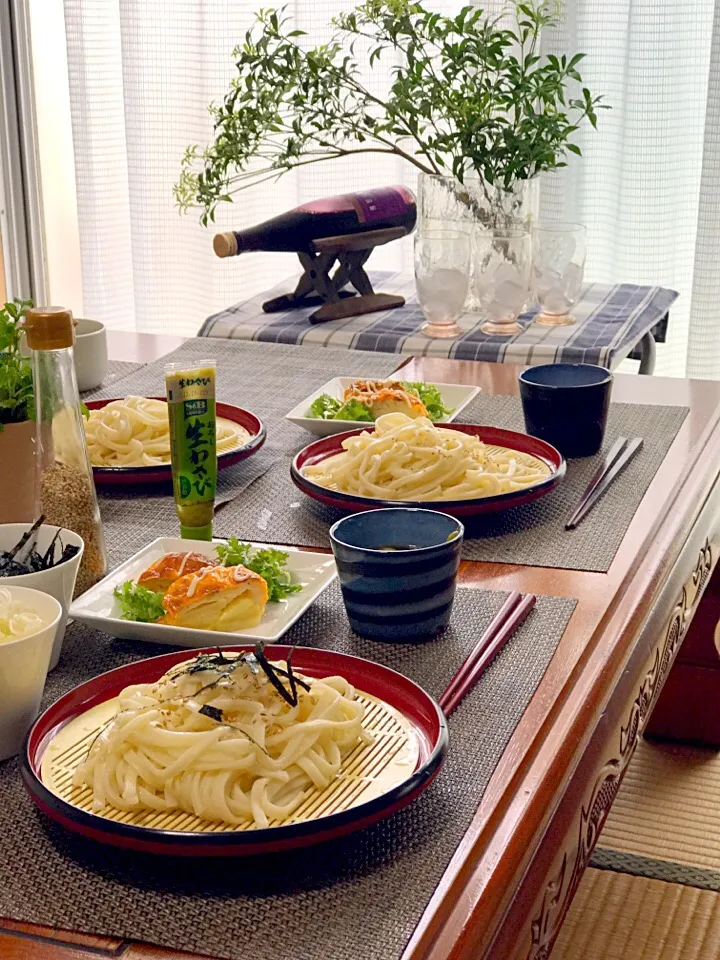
(504, 624)
(618, 457)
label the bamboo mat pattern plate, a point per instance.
(369, 770)
(359, 898)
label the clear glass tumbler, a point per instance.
(558, 265)
(442, 275)
(503, 260)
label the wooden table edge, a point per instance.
(452, 905)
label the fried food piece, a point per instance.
(381, 396)
(218, 598)
(162, 574)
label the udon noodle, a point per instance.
(406, 459)
(214, 738)
(135, 432)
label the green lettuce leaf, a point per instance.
(324, 407)
(138, 603)
(328, 408)
(268, 562)
(354, 410)
(431, 397)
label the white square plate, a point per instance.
(98, 607)
(456, 396)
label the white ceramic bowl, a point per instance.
(24, 667)
(59, 581)
(91, 354)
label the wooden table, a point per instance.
(637, 628)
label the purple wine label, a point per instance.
(381, 203)
(378, 203)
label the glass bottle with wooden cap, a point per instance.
(66, 490)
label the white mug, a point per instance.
(91, 353)
(23, 670)
(58, 581)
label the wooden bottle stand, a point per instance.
(318, 286)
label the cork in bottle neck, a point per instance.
(49, 328)
(225, 244)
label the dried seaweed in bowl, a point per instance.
(24, 557)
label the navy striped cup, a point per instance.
(398, 569)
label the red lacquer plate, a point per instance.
(133, 476)
(423, 721)
(493, 436)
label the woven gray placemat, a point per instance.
(269, 380)
(274, 509)
(117, 370)
(535, 534)
(358, 898)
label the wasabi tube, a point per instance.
(193, 445)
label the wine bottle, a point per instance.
(332, 217)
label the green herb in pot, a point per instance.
(17, 402)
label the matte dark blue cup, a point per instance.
(567, 405)
(398, 568)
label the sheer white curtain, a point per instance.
(640, 186)
(143, 71)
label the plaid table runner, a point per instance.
(611, 320)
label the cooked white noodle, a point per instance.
(406, 459)
(135, 432)
(161, 753)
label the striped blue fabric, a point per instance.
(611, 320)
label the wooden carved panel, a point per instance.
(562, 886)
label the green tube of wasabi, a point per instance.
(193, 446)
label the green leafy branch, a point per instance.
(16, 382)
(470, 93)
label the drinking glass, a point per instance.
(558, 264)
(442, 275)
(398, 569)
(503, 260)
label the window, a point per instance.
(140, 74)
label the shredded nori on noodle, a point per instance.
(272, 673)
(224, 666)
(215, 713)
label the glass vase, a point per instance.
(475, 207)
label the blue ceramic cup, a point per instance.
(566, 404)
(398, 569)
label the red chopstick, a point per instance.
(512, 613)
(497, 621)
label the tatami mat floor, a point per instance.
(668, 806)
(658, 899)
(618, 917)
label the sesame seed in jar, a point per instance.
(68, 500)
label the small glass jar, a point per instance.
(66, 489)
